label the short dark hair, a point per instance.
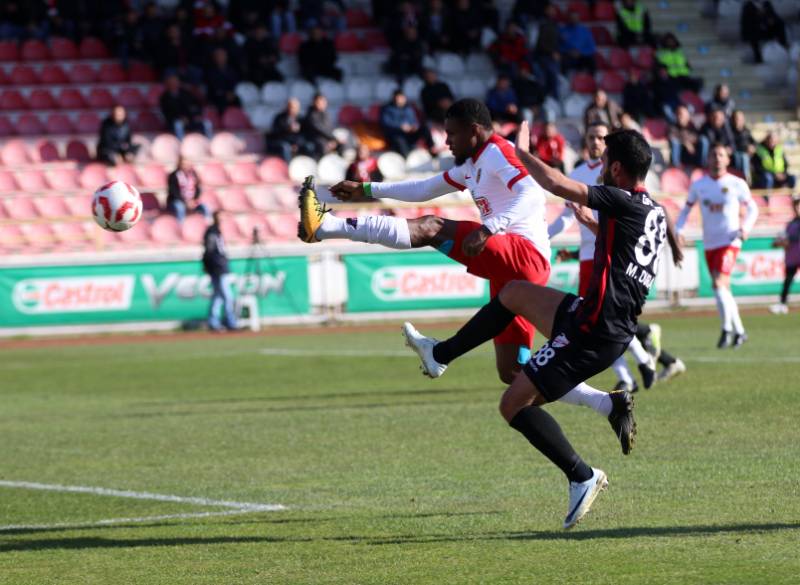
(631, 150)
(596, 124)
(470, 111)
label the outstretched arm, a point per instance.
(549, 178)
(413, 191)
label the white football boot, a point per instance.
(423, 346)
(581, 496)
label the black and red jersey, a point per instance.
(632, 231)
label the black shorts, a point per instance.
(570, 356)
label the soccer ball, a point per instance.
(116, 206)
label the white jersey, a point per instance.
(721, 201)
(508, 198)
(588, 174)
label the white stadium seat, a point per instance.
(302, 90)
(300, 167)
(479, 64)
(358, 90)
(392, 166)
(449, 64)
(384, 89)
(248, 93)
(412, 88)
(419, 160)
(274, 93)
(575, 105)
(333, 90)
(474, 87)
(331, 169)
(261, 116)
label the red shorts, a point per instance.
(722, 260)
(506, 257)
(585, 276)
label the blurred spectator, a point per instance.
(215, 264)
(317, 128)
(550, 147)
(468, 25)
(175, 56)
(20, 20)
(685, 143)
(183, 192)
(401, 126)
(262, 56)
(628, 122)
(152, 27)
(225, 39)
(509, 51)
(527, 11)
(437, 26)
(546, 58)
(436, 96)
(281, 19)
(671, 56)
(576, 45)
(602, 109)
(530, 94)
(744, 144)
(317, 56)
(329, 14)
(128, 37)
(633, 24)
(364, 169)
(207, 19)
(760, 23)
(502, 101)
(666, 93)
(716, 131)
(407, 55)
(770, 167)
(115, 144)
(637, 97)
(286, 137)
(405, 15)
(789, 240)
(489, 14)
(221, 80)
(721, 100)
(182, 110)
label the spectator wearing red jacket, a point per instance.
(509, 52)
(364, 169)
(550, 147)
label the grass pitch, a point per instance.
(389, 477)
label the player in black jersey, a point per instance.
(585, 334)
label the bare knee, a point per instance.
(513, 295)
(507, 374)
(424, 230)
(507, 407)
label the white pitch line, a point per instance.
(290, 352)
(744, 360)
(99, 491)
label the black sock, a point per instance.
(486, 324)
(666, 358)
(543, 432)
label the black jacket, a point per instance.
(317, 125)
(215, 260)
(174, 190)
(114, 137)
(180, 105)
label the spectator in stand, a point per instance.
(436, 25)
(550, 147)
(546, 58)
(633, 24)
(329, 14)
(721, 100)
(489, 14)
(770, 167)
(407, 55)
(127, 37)
(215, 264)
(364, 169)
(436, 97)
(716, 131)
(466, 21)
(530, 95)
(628, 122)
(152, 27)
(222, 38)
(317, 128)
(602, 109)
(401, 126)
(637, 97)
(760, 23)
(221, 80)
(502, 101)
(281, 19)
(527, 11)
(175, 56)
(744, 144)
(790, 242)
(262, 56)
(286, 138)
(207, 19)
(406, 15)
(115, 145)
(23, 20)
(317, 56)
(686, 146)
(666, 93)
(183, 192)
(182, 110)
(671, 56)
(509, 51)
(576, 46)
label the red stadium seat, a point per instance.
(93, 175)
(282, 226)
(4, 78)
(193, 228)
(34, 50)
(230, 228)
(65, 178)
(77, 150)
(53, 74)
(41, 99)
(195, 146)
(348, 42)
(39, 235)
(620, 59)
(141, 73)
(82, 73)
(693, 100)
(32, 181)
(696, 174)
(374, 39)
(225, 145)
(273, 170)
(11, 99)
(24, 75)
(244, 173)
(79, 206)
(235, 119)
(674, 181)
(604, 11)
(6, 127)
(7, 181)
(645, 58)
(59, 124)
(290, 42)
(100, 98)
(51, 207)
(655, 129)
(152, 176)
(581, 9)
(612, 82)
(374, 113)
(21, 208)
(153, 95)
(93, 48)
(357, 18)
(602, 36)
(583, 83)
(139, 235)
(9, 51)
(212, 174)
(14, 153)
(601, 61)
(71, 99)
(47, 151)
(125, 173)
(130, 97)
(165, 148)
(147, 121)
(87, 123)
(165, 230)
(150, 203)
(112, 73)
(29, 125)
(63, 49)
(350, 115)
(212, 115)
(234, 200)
(71, 232)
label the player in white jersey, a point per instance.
(721, 196)
(510, 244)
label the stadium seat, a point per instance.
(696, 174)
(193, 228)
(655, 129)
(693, 101)
(152, 96)
(225, 145)
(620, 59)
(373, 113)
(41, 99)
(51, 207)
(605, 12)
(392, 165)
(165, 148)
(32, 181)
(358, 90)
(21, 208)
(142, 233)
(87, 123)
(11, 99)
(273, 170)
(235, 119)
(53, 74)
(63, 49)
(82, 73)
(290, 42)
(282, 226)
(147, 121)
(581, 9)
(262, 116)
(64, 178)
(374, 39)
(130, 97)
(601, 62)
(419, 160)
(195, 146)
(153, 176)
(602, 37)
(100, 98)
(93, 48)
(357, 18)
(29, 125)
(79, 206)
(384, 89)
(93, 176)
(302, 90)
(34, 50)
(6, 128)
(9, 51)
(39, 235)
(333, 90)
(125, 173)
(141, 73)
(674, 181)
(234, 200)
(331, 169)
(212, 173)
(7, 181)
(583, 83)
(165, 230)
(71, 99)
(77, 151)
(14, 153)
(46, 151)
(23, 75)
(210, 199)
(248, 93)
(348, 42)
(300, 167)
(150, 203)
(612, 82)
(350, 115)
(645, 58)
(274, 93)
(112, 73)
(261, 198)
(243, 173)
(58, 124)
(71, 232)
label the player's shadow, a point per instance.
(90, 542)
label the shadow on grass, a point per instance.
(84, 542)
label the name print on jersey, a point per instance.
(648, 247)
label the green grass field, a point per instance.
(388, 477)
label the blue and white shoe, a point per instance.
(423, 346)
(582, 495)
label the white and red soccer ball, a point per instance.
(116, 206)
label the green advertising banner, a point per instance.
(759, 270)
(147, 291)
